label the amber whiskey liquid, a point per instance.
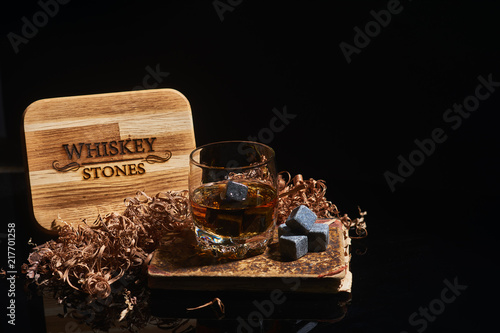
(217, 219)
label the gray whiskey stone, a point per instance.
(284, 230)
(236, 191)
(318, 237)
(293, 247)
(301, 220)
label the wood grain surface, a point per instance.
(179, 264)
(85, 154)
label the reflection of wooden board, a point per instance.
(57, 320)
(179, 264)
(86, 153)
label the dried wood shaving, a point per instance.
(83, 265)
(296, 191)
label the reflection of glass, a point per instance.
(233, 194)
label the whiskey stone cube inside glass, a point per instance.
(236, 191)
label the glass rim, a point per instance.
(202, 165)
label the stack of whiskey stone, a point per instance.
(300, 234)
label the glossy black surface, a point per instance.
(276, 73)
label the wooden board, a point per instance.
(179, 264)
(85, 154)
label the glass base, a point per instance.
(233, 247)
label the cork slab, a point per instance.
(180, 265)
(84, 154)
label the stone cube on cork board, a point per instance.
(301, 219)
(284, 230)
(318, 237)
(293, 247)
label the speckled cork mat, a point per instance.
(179, 264)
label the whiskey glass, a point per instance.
(233, 196)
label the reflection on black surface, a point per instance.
(180, 311)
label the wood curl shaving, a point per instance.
(296, 191)
(90, 258)
(165, 212)
(358, 224)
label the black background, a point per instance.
(352, 121)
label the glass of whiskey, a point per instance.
(234, 197)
